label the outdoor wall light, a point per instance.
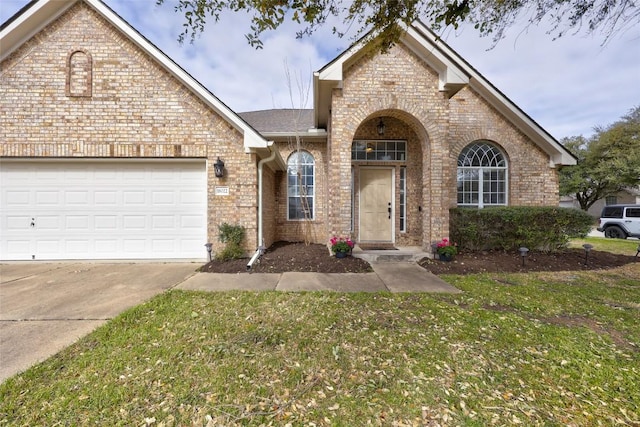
(381, 127)
(208, 246)
(523, 253)
(587, 248)
(218, 168)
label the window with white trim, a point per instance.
(379, 150)
(300, 185)
(482, 176)
(403, 199)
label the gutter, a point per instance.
(261, 247)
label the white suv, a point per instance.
(620, 221)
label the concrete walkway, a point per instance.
(386, 277)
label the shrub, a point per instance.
(232, 236)
(508, 228)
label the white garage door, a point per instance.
(102, 210)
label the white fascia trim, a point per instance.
(32, 21)
(334, 71)
(452, 77)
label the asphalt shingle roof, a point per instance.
(279, 120)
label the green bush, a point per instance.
(233, 237)
(508, 228)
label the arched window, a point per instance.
(300, 185)
(482, 175)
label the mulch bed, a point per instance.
(505, 262)
(285, 256)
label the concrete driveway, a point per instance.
(44, 307)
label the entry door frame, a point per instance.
(392, 174)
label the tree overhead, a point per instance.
(386, 17)
(608, 162)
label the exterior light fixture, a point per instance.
(587, 248)
(218, 168)
(523, 253)
(381, 127)
(434, 248)
(208, 246)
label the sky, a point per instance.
(568, 86)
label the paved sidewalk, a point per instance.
(386, 277)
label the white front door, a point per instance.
(376, 205)
(80, 209)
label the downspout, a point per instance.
(261, 247)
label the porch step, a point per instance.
(401, 254)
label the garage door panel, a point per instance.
(104, 247)
(163, 222)
(190, 197)
(77, 223)
(134, 246)
(134, 198)
(102, 210)
(19, 247)
(105, 198)
(47, 223)
(18, 198)
(76, 198)
(47, 198)
(134, 222)
(191, 221)
(16, 223)
(162, 198)
(47, 248)
(106, 222)
(77, 248)
(163, 246)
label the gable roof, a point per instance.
(39, 13)
(454, 74)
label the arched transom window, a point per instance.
(300, 185)
(482, 175)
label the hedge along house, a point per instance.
(108, 149)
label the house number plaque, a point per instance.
(222, 191)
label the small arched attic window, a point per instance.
(79, 73)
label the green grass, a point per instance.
(616, 246)
(532, 349)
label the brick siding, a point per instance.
(403, 90)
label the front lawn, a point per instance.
(616, 246)
(530, 349)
